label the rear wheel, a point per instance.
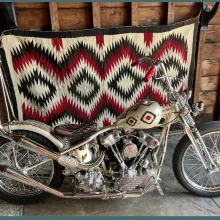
(49, 172)
(188, 167)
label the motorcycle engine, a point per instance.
(89, 181)
(126, 166)
(135, 169)
(129, 149)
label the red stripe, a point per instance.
(32, 55)
(148, 38)
(57, 43)
(173, 46)
(100, 41)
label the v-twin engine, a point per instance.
(125, 167)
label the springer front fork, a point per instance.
(199, 146)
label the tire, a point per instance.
(178, 158)
(55, 181)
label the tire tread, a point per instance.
(178, 155)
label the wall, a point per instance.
(211, 67)
(78, 15)
(81, 15)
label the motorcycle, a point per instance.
(122, 160)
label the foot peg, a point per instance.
(160, 189)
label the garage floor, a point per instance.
(176, 201)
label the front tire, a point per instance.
(188, 168)
(30, 194)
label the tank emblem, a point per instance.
(148, 117)
(131, 121)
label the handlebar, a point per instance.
(158, 65)
(141, 60)
(150, 73)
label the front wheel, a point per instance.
(188, 167)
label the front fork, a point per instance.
(199, 146)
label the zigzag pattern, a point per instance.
(59, 80)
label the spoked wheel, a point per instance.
(36, 166)
(188, 167)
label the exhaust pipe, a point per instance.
(28, 144)
(64, 160)
(18, 176)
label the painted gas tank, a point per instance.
(143, 115)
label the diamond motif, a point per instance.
(148, 117)
(37, 88)
(84, 87)
(131, 121)
(125, 83)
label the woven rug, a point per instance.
(86, 75)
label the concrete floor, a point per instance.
(176, 201)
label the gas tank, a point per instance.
(143, 115)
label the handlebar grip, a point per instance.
(135, 63)
(150, 73)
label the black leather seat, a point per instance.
(75, 130)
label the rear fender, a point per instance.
(37, 127)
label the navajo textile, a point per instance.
(86, 75)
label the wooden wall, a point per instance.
(81, 15)
(210, 68)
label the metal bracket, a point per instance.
(208, 14)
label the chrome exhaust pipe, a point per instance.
(20, 177)
(28, 144)
(64, 160)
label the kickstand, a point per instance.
(159, 189)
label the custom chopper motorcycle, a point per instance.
(119, 161)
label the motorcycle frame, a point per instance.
(163, 136)
(12, 120)
(30, 145)
(47, 131)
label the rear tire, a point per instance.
(181, 172)
(55, 181)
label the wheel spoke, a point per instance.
(22, 157)
(214, 143)
(194, 157)
(41, 170)
(193, 169)
(195, 172)
(193, 166)
(212, 179)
